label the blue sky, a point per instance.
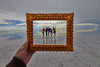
(13, 12)
(12, 23)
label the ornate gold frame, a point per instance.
(54, 16)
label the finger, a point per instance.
(25, 46)
(32, 52)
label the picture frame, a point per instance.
(50, 16)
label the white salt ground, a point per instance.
(86, 53)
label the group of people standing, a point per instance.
(48, 31)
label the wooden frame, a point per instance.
(54, 16)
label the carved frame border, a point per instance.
(50, 16)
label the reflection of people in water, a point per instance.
(54, 41)
(43, 41)
(49, 41)
(54, 31)
(43, 31)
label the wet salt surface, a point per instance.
(86, 52)
(57, 40)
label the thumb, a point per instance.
(25, 45)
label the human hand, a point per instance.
(23, 53)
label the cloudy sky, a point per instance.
(49, 23)
(13, 12)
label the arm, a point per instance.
(21, 57)
(16, 62)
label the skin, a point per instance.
(23, 53)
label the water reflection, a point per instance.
(86, 27)
(13, 37)
(50, 40)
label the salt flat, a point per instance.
(86, 52)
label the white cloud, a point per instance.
(46, 25)
(11, 22)
(83, 9)
(88, 30)
(21, 24)
(16, 10)
(8, 16)
(87, 24)
(34, 24)
(50, 23)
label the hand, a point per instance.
(23, 53)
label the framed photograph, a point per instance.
(50, 32)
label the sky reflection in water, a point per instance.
(12, 35)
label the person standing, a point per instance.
(51, 31)
(46, 31)
(43, 31)
(54, 31)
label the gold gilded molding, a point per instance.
(50, 16)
